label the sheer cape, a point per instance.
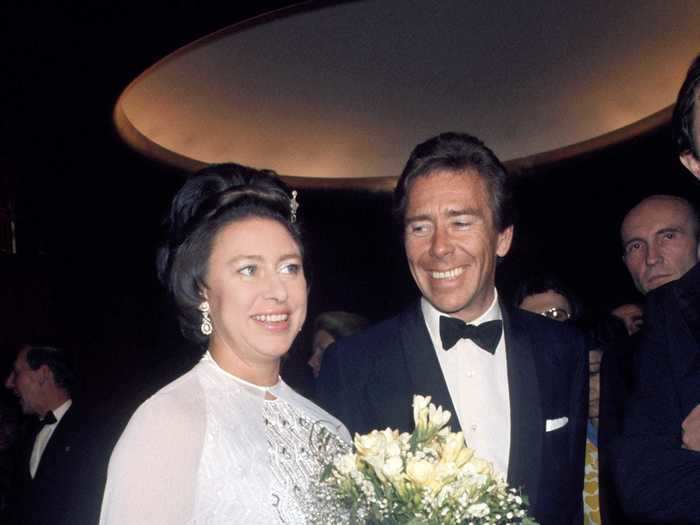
(197, 453)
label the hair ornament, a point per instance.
(293, 207)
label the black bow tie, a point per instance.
(486, 335)
(49, 419)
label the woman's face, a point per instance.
(257, 294)
(550, 304)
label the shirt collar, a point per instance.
(61, 411)
(246, 384)
(432, 315)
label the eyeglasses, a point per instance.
(558, 314)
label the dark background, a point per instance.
(88, 209)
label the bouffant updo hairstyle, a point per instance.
(211, 199)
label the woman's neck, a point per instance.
(262, 374)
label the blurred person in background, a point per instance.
(659, 471)
(329, 327)
(61, 466)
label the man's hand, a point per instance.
(691, 430)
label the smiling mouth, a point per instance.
(448, 274)
(271, 318)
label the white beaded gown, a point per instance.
(209, 448)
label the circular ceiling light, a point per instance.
(345, 91)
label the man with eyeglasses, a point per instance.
(659, 469)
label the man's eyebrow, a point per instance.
(415, 218)
(670, 229)
(464, 211)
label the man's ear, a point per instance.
(691, 163)
(504, 240)
(44, 373)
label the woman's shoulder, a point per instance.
(177, 405)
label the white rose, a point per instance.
(346, 464)
(478, 510)
(393, 467)
(370, 444)
(420, 471)
(479, 466)
(451, 447)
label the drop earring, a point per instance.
(206, 327)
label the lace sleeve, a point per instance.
(153, 469)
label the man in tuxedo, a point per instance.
(659, 467)
(515, 382)
(60, 478)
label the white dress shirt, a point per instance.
(478, 385)
(43, 437)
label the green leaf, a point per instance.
(327, 471)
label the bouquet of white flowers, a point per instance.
(429, 477)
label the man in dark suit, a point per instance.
(60, 476)
(659, 468)
(515, 382)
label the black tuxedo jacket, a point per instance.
(659, 481)
(67, 488)
(616, 386)
(368, 382)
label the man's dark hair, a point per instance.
(340, 324)
(683, 122)
(57, 360)
(457, 152)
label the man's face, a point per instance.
(451, 242)
(659, 238)
(26, 384)
(690, 160)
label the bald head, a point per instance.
(686, 120)
(660, 241)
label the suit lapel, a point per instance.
(685, 353)
(687, 291)
(411, 368)
(56, 445)
(422, 363)
(526, 416)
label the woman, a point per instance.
(228, 442)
